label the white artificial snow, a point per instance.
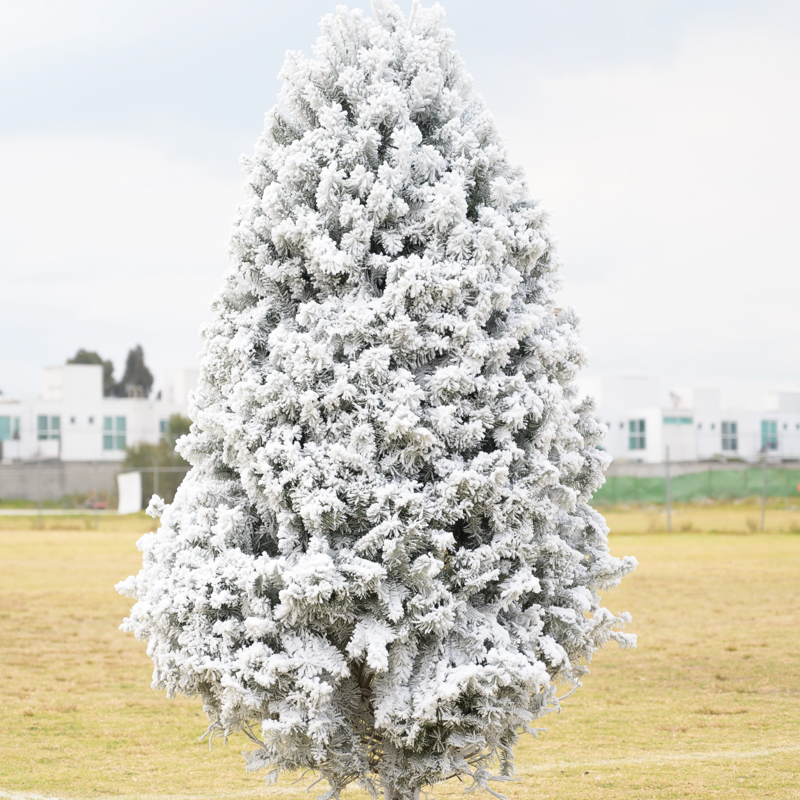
(383, 560)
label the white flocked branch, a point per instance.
(383, 561)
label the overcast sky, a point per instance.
(663, 134)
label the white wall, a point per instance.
(183, 382)
(654, 435)
(680, 437)
(53, 384)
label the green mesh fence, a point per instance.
(713, 484)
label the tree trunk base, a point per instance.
(396, 794)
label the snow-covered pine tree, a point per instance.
(383, 560)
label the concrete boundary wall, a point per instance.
(52, 480)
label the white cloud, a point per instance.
(672, 181)
(675, 200)
(107, 242)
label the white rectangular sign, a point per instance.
(129, 485)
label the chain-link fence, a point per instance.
(58, 485)
(694, 481)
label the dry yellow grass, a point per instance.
(708, 705)
(742, 517)
(109, 522)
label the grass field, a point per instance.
(708, 705)
(741, 517)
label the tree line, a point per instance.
(136, 381)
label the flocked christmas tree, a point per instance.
(383, 561)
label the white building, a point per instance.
(73, 421)
(643, 422)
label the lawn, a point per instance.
(707, 706)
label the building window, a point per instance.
(91, 420)
(636, 434)
(113, 433)
(621, 425)
(730, 436)
(769, 434)
(48, 427)
(162, 425)
(9, 428)
(677, 421)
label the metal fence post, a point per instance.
(96, 500)
(39, 491)
(669, 493)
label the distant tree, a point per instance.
(137, 380)
(177, 426)
(91, 357)
(146, 455)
